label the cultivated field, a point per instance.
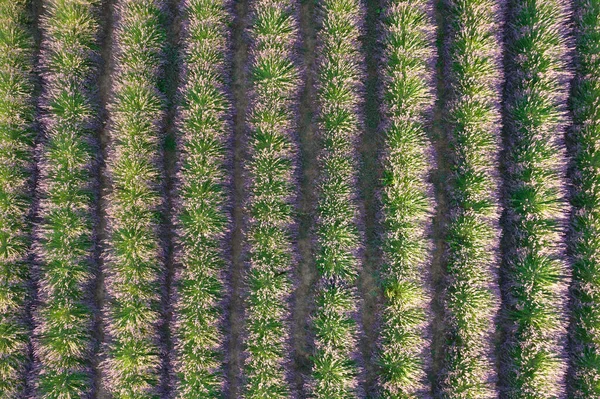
(271, 199)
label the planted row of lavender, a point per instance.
(408, 36)
(64, 240)
(585, 218)
(16, 166)
(471, 56)
(202, 218)
(271, 193)
(339, 78)
(535, 268)
(133, 260)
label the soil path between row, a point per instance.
(104, 93)
(239, 96)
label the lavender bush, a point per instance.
(202, 218)
(133, 259)
(16, 166)
(407, 97)
(472, 62)
(64, 240)
(537, 275)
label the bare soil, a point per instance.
(439, 178)
(35, 11)
(305, 270)
(239, 85)
(104, 92)
(368, 182)
(172, 68)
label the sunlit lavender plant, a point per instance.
(16, 159)
(64, 239)
(408, 52)
(536, 272)
(339, 77)
(202, 219)
(133, 260)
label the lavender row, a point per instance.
(472, 75)
(535, 268)
(585, 218)
(269, 172)
(16, 167)
(133, 261)
(202, 217)
(64, 240)
(407, 98)
(339, 78)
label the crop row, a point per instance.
(406, 197)
(585, 218)
(536, 272)
(16, 164)
(64, 236)
(133, 261)
(201, 219)
(497, 276)
(270, 173)
(471, 57)
(338, 258)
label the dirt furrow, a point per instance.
(104, 85)
(172, 22)
(239, 87)
(369, 181)
(308, 172)
(439, 177)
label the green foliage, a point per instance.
(339, 78)
(585, 222)
(271, 189)
(133, 261)
(473, 129)
(63, 342)
(406, 197)
(202, 219)
(537, 275)
(16, 145)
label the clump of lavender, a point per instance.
(201, 218)
(133, 260)
(16, 153)
(339, 84)
(408, 52)
(585, 220)
(272, 191)
(536, 272)
(472, 55)
(63, 343)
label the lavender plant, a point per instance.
(472, 53)
(585, 220)
(202, 220)
(65, 270)
(271, 194)
(408, 52)
(339, 83)
(133, 260)
(16, 158)
(536, 272)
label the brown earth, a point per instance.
(239, 86)
(305, 270)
